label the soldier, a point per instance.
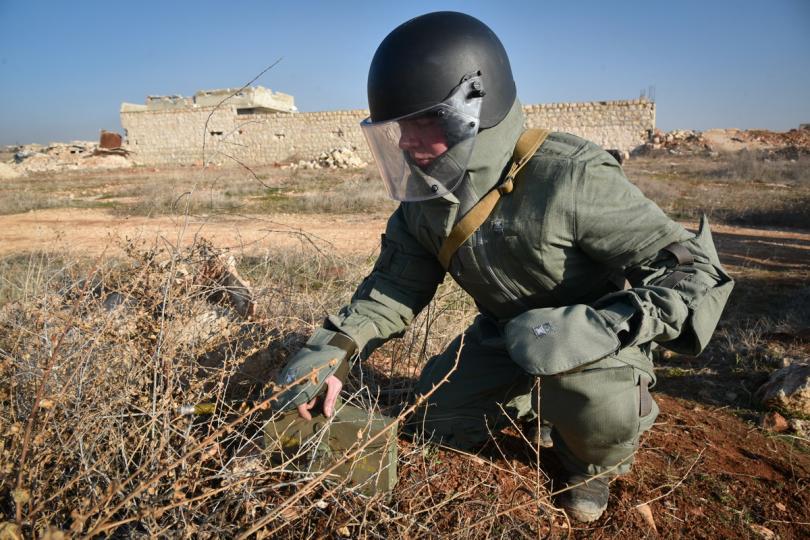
(575, 273)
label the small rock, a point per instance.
(788, 388)
(773, 421)
(781, 507)
(647, 515)
(800, 427)
(762, 532)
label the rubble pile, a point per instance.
(794, 137)
(677, 142)
(60, 157)
(776, 144)
(338, 158)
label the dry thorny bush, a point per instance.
(97, 358)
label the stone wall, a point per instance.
(176, 136)
(623, 125)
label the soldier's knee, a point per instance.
(599, 414)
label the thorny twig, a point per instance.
(143, 485)
(40, 392)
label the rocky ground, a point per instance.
(789, 144)
(17, 161)
(728, 457)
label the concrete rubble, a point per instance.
(61, 157)
(338, 158)
(228, 299)
(677, 142)
(790, 144)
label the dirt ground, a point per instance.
(91, 232)
(702, 472)
(707, 470)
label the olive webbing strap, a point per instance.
(526, 146)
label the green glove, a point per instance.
(327, 353)
(548, 341)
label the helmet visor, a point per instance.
(424, 155)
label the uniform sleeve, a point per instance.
(676, 298)
(402, 283)
(676, 294)
(614, 223)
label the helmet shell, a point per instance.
(423, 60)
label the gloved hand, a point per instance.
(326, 354)
(548, 341)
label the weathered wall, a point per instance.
(623, 125)
(176, 136)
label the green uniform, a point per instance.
(547, 260)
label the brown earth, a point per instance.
(702, 472)
(705, 471)
(91, 232)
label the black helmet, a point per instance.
(421, 62)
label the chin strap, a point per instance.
(526, 146)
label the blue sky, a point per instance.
(65, 67)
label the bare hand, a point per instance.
(333, 388)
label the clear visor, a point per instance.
(424, 155)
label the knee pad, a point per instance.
(599, 413)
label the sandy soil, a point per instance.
(91, 232)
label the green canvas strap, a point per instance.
(526, 146)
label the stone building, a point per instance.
(256, 126)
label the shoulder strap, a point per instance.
(526, 146)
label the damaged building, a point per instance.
(256, 126)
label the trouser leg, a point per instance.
(475, 401)
(599, 413)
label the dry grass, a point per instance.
(97, 356)
(745, 188)
(90, 390)
(147, 191)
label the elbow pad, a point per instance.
(704, 287)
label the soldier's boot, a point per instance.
(585, 498)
